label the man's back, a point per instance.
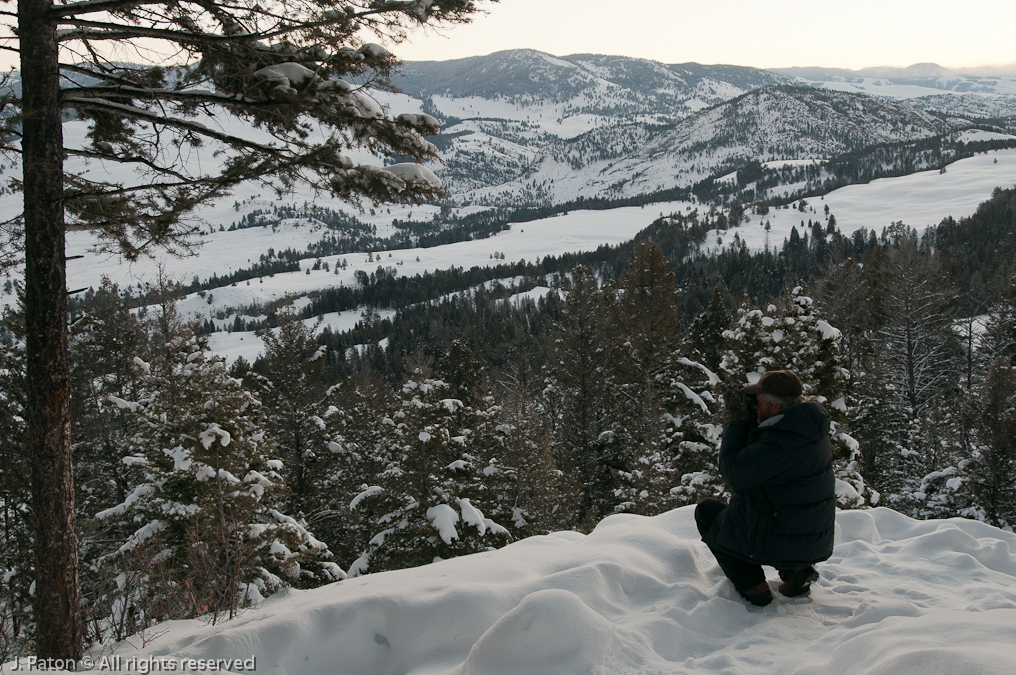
(783, 508)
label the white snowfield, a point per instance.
(918, 200)
(643, 595)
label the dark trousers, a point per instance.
(745, 575)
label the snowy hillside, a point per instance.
(918, 200)
(777, 123)
(639, 595)
(601, 84)
(525, 128)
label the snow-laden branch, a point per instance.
(188, 95)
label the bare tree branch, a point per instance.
(178, 123)
(94, 6)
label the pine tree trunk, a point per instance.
(57, 601)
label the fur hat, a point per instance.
(778, 383)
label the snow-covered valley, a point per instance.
(918, 200)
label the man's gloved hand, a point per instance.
(738, 406)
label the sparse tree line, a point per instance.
(202, 488)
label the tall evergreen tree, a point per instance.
(646, 332)
(357, 419)
(287, 379)
(430, 497)
(528, 494)
(207, 506)
(703, 340)
(105, 340)
(644, 337)
(917, 351)
(916, 299)
(990, 472)
(579, 393)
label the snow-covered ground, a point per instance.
(247, 344)
(917, 200)
(640, 595)
(574, 231)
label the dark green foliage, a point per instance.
(16, 560)
(990, 473)
(287, 378)
(430, 497)
(580, 392)
(105, 340)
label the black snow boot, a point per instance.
(797, 581)
(759, 595)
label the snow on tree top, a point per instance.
(286, 74)
(472, 515)
(415, 173)
(374, 50)
(828, 332)
(208, 436)
(443, 518)
(372, 490)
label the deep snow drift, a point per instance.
(643, 595)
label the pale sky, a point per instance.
(781, 33)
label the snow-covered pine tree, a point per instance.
(287, 380)
(882, 427)
(911, 299)
(915, 324)
(104, 341)
(986, 480)
(428, 502)
(645, 331)
(703, 342)
(692, 431)
(205, 514)
(793, 337)
(841, 299)
(354, 456)
(526, 491)
(643, 341)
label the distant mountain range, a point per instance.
(522, 126)
(927, 75)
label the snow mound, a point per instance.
(644, 595)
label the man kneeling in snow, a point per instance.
(783, 507)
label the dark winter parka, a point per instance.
(783, 509)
